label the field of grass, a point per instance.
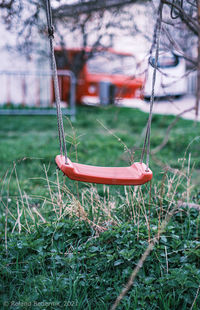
(69, 245)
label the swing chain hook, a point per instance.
(173, 13)
(49, 20)
(51, 32)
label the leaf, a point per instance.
(164, 239)
(118, 262)
(183, 259)
(94, 249)
(57, 236)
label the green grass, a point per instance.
(32, 141)
(74, 245)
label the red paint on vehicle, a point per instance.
(126, 85)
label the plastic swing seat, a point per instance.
(135, 174)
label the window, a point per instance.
(110, 63)
(61, 59)
(165, 60)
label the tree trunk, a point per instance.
(198, 63)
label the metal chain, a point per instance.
(156, 42)
(61, 133)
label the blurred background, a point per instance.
(104, 48)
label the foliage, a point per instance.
(65, 263)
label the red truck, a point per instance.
(93, 66)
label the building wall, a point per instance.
(16, 86)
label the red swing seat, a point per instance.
(135, 174)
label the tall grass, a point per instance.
(145, 209)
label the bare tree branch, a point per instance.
(186, 18)
(166, 138)
(89, 6)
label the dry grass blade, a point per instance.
(197, 293)
(49, 188)
(18, 220)
(189, 205)
(38, 214)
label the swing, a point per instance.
(136, 174)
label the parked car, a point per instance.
(170, 76)
(92, 67)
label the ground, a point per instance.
(68, 245)
(167, 106)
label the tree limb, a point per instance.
(88, 7)
(186, 18)
(166, 138)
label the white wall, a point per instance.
(16, 88)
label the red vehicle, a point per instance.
(91, 67)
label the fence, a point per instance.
(32, 93)
(192, 83)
